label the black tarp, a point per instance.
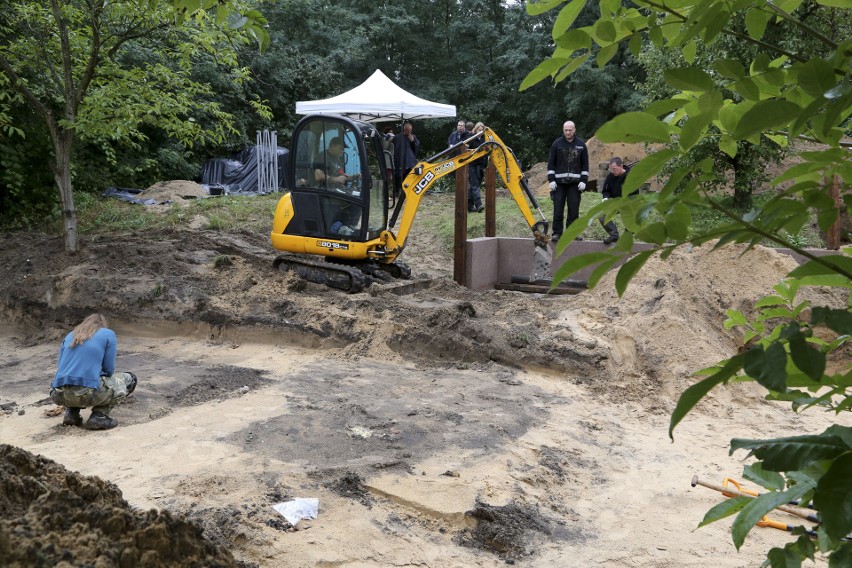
(238, 174)
(129, 194)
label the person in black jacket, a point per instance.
(612, 189)
(405, 148)
(475, 173)
(567, 172)
(459, 134)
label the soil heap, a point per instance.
(50, 516)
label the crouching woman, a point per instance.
(86, 375)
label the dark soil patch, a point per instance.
(507, 530)
(352, 486)
(217, 383)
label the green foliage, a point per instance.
(109, 73)
(27, 188)
(316, 49)
(750, 75)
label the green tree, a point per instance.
(743, 167)
(72, 62)
(788, 90)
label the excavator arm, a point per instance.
(424, 175)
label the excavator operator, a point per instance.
(329, 171)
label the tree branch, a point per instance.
(67, 64)
(801, 24)
(22, 88)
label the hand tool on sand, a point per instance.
(794, 502)
(764, 521)
(730, 492)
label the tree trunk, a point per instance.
(63, 143)
(742, 189)
(742, 197)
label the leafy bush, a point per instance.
(794, 84)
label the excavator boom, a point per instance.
(427, 172)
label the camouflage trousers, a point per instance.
(113, 390)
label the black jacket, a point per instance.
(613, 184)
(568, 161)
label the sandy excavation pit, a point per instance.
(441, 428)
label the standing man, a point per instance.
(459, 134)
(405, 148)
(612, 188)
(567, 172)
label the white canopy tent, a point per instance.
(378, 99)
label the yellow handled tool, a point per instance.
(729, 492)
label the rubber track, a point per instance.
(337, 276)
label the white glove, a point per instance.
(605, 198)
(581, 186)
(553, 186)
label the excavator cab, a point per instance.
(338, 189)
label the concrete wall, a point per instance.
(493, 260)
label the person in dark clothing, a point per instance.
(86, 375)
(329, 171)
(475, 172)
(405, 148)
(612, 189)
(567, 174)
(460, 134)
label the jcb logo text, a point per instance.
(423, 183)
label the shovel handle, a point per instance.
(729, 492)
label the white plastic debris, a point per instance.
(361, 431)
(298, 509)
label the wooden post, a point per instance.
(490, 200)
(460, 234)
(832, 237)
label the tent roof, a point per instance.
(378, 99)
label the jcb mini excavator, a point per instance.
(337, 219)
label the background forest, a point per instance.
(470, 53)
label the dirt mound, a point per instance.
(175, 191)
(537, 178)
(506, 530)
(600, 153)
(599, 156)
(178, 276)
(667, 324)
(670, 321)
(50, 516)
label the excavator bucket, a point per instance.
(542, 259)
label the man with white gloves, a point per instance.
(567, 172)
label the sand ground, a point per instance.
(436, 426)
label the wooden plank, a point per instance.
(490, 197)
(567, 283)
(460, 232)
(538, 289)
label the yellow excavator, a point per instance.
(336, 222)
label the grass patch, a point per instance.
(97, 214)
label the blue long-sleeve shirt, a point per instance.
(83, 365)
